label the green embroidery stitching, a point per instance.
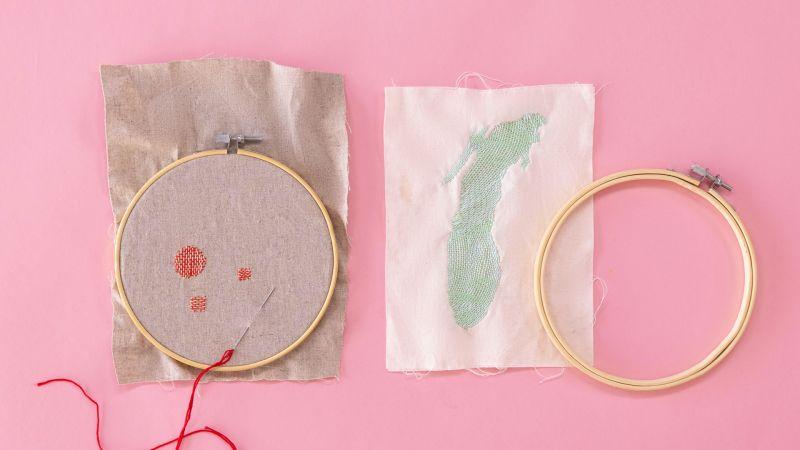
(473, 262)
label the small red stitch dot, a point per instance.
(197, 303)
(245, 273)
(190, 261)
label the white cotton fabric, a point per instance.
(425, 131)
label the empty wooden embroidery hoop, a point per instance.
(149, 336)
(748, 263)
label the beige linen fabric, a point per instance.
(158, 113)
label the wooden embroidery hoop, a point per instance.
(121, 287)
(748, 260)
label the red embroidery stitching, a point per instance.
(190, 261)
(245, 273)
(197, 303)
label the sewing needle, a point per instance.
(254, 318)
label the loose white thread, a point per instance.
(486, 373)
(545, 378)
(417, 375)
(601, 88)
(466, 76)
(328, 380)
(602, 298)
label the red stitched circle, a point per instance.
(190, 261)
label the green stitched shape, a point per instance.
(473, 262)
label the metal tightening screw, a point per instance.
(713, 180)
(233, 141)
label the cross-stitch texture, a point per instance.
(244, 273)
(190, 261)
(157, 113)
(473, 263)
(198, 303)
(473, 177)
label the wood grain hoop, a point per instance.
(748, 296)
(121, 287)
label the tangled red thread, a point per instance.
(197, 303)
(183, 434)
(245, 273)
(190, 261)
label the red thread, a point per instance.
(197, 303)
(245, 273)
(183, 435)
(222, 361)
(204, 430)
(96, 406)
(190, 261)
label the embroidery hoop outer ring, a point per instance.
(153, 340)
(748, 296)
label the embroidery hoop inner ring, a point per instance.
(161, 347)
(748, 295)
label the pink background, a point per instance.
(714, 83)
